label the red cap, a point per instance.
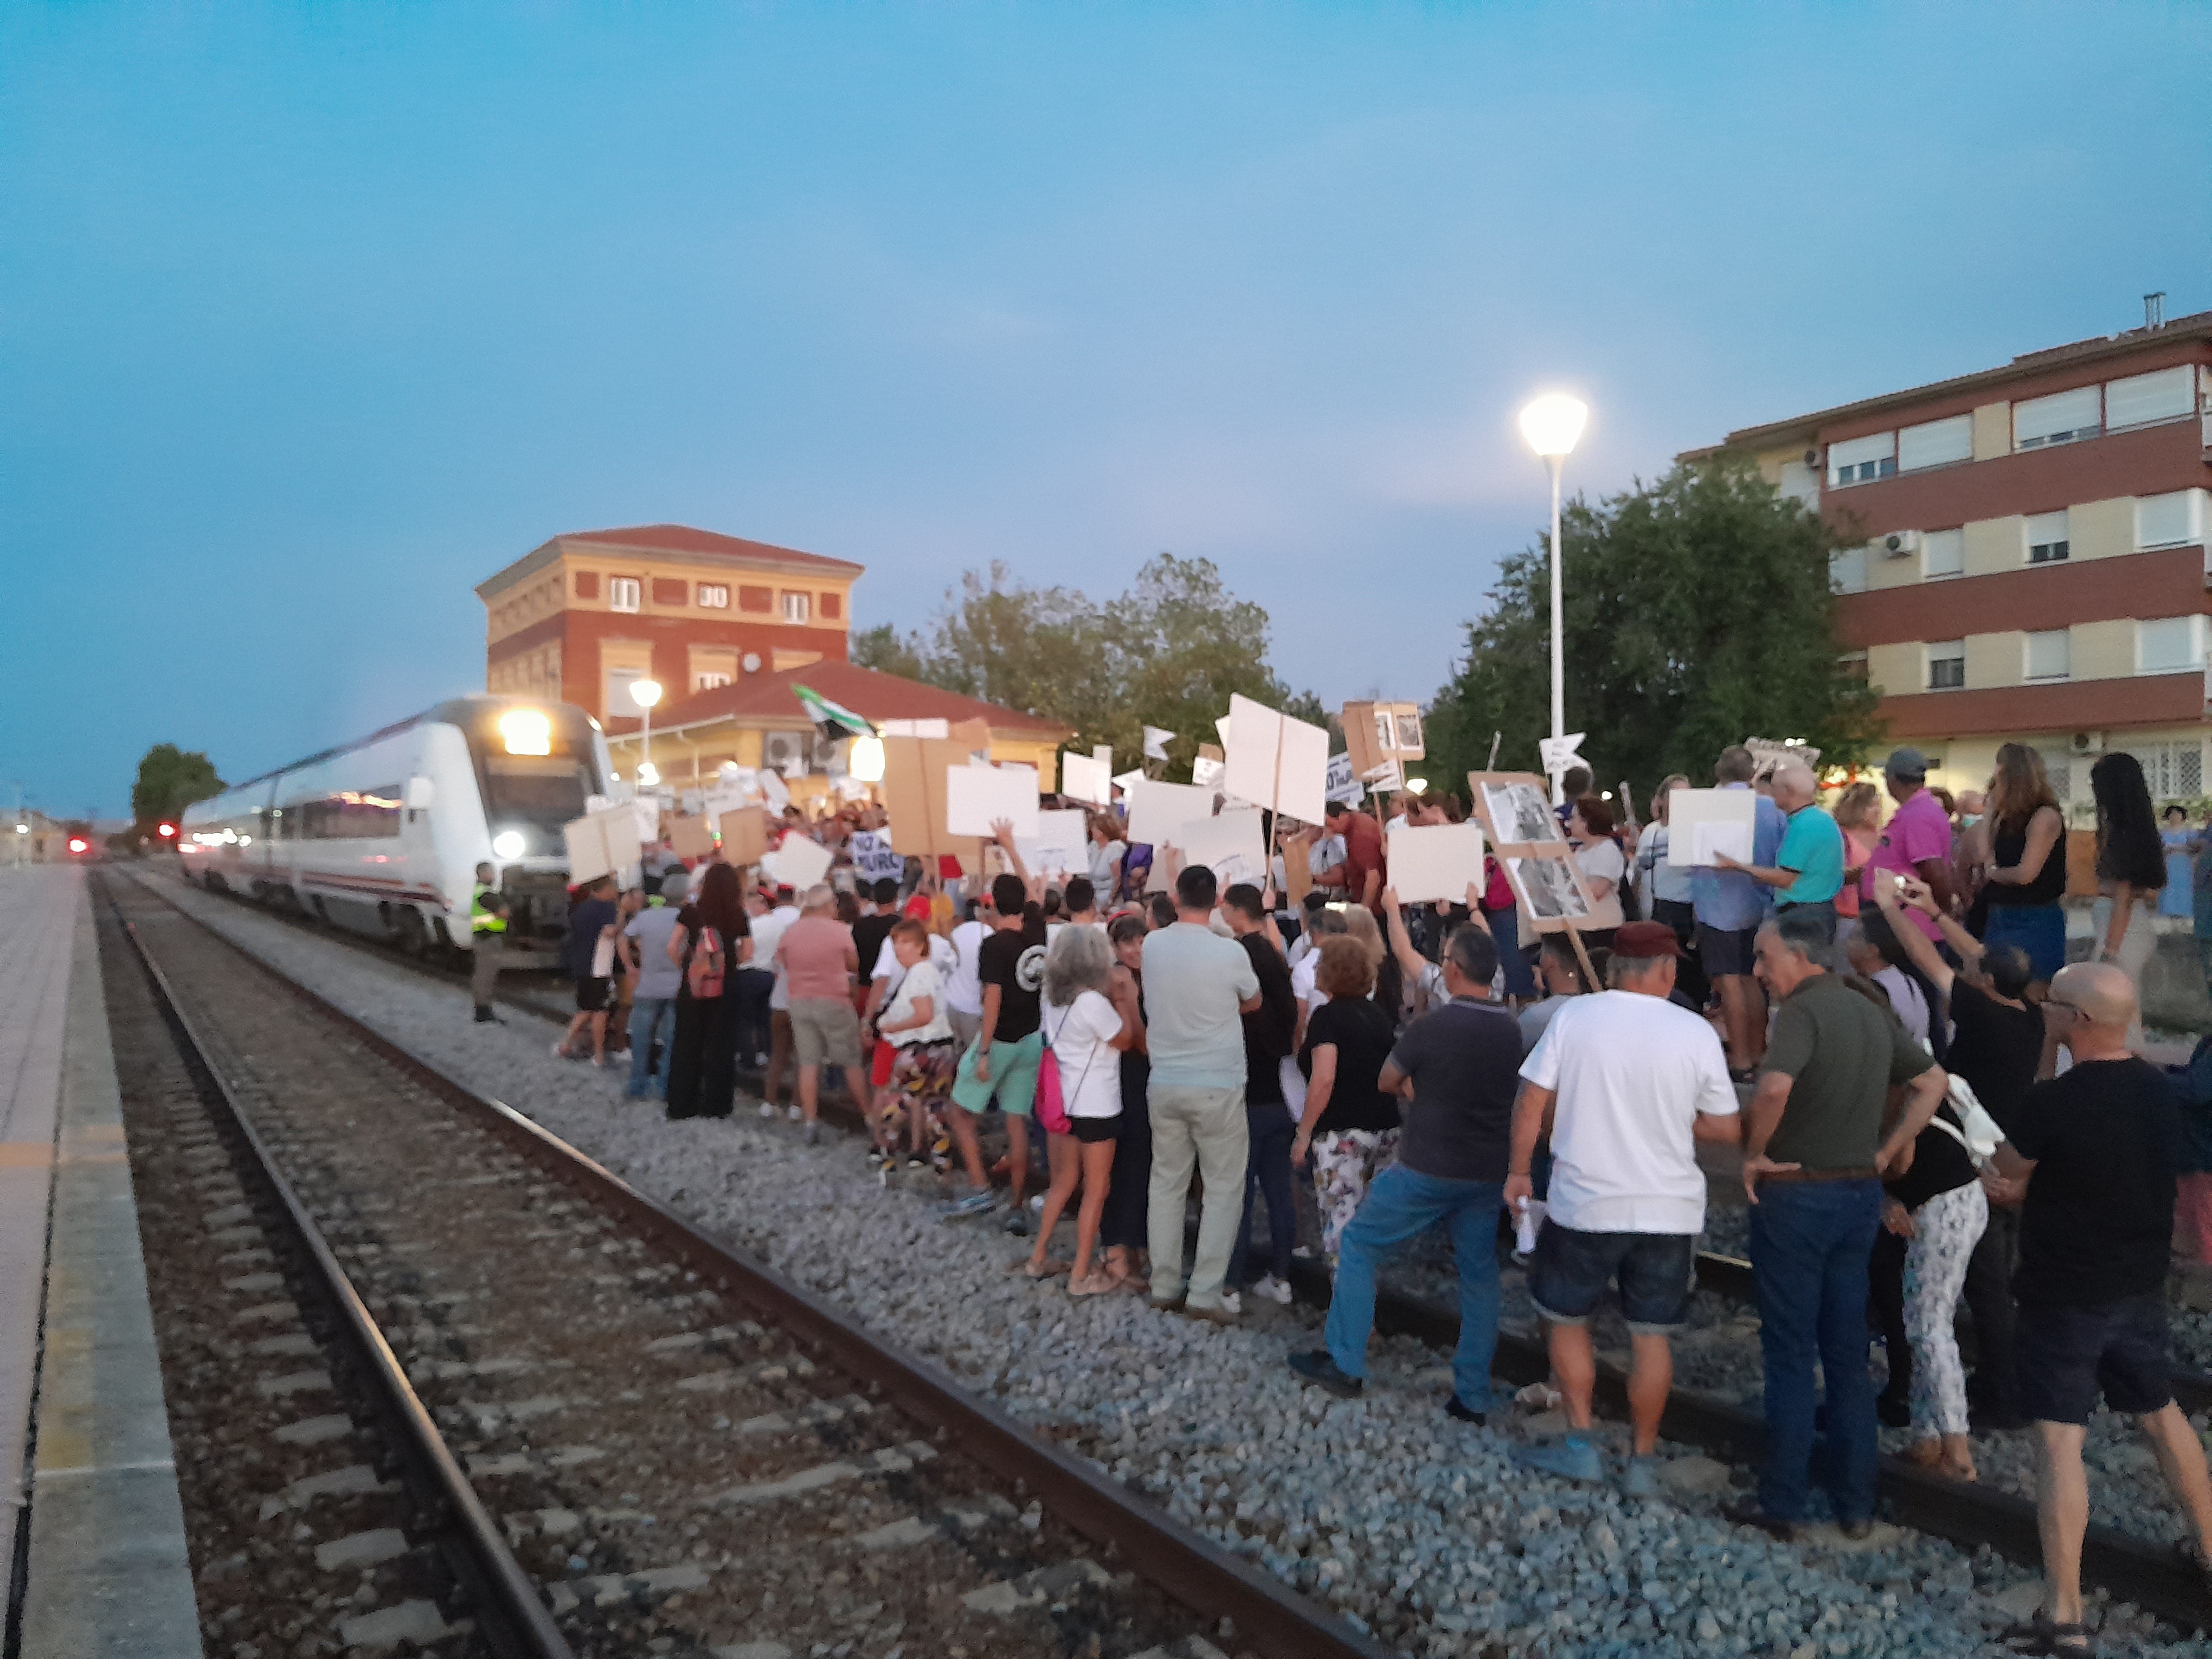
(1643, 939)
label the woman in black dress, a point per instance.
(702, 1078)
(1122, 1229)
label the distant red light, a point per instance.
(169, 829)
(77, 843)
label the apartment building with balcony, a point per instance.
(2028, 554)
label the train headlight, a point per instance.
(508, 844)
(526, 731)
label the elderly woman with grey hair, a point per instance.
(1084, 1031)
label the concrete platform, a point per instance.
(108, 1573)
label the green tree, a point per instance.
(1169, 653)
(1697, 613)
(170, 779)
(882, 649)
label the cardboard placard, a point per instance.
(1515, 812)
(1157, 810)
(913, 789)
(1378, 732)
(1127, 780)
(601, 843)
(977, 797)
(1205, 770)
(1297, 872)
(875, 858)
(745, 835)
(1435, 862)
(1275, 761)
(1702, 822)
(1086, 777)
(1343, 783)
(799, 863)
(690, 837)
(773, 790)
(1062, 846)
(1233, 845)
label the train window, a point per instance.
(349, 815)
(543, 789)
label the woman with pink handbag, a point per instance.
(1079, 1096)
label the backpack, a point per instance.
(1051, 1102)
(703, 969)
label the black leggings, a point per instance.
(1126, 1223)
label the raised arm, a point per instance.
(1917, 944)
(1410, 961)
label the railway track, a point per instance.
(641, 1439)
(2129, 1567)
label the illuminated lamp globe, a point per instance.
(648, 774)
(865, 760)
(508, 844)
(645, 693)
(1417, 786)
(1553, 423)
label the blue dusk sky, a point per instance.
(313, 316)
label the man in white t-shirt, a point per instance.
(1628, 1082)
(767, 933)
(963, 991)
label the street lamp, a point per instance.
(645, 694)
(1552, 424)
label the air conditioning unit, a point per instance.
(2088, 743)
(1900, 544)
(780, 748)
(1813, 459)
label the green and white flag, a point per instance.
(833, 719)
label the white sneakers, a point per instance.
(1274, 1290)
(768, 1110)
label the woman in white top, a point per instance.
(1086, 1030)
(1107, 852)
(1597, 854)
(923, 1055)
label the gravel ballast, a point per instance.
(1419, 1527)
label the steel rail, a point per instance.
(1263, 1613)
(493, 1573)
(1970, 1515)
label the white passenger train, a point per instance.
(382, 836)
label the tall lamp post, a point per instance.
(1552, 424)
(645, 694)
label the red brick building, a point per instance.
(2029, 559)
(581, 617)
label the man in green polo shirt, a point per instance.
(1809, 867)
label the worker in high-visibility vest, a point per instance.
(487, 938)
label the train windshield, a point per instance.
(548, 790)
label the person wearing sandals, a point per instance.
(2099, 1148)
(1086, 1031)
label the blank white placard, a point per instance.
(1276, 761)
(800, 864)
(1232, 845)
(1084, 777)
(1702, 822)
(976, 797)
(1061, 845)
(1432, 861)
(1158, 811)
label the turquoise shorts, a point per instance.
(1012, 1084)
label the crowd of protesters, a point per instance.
(1873, 1011)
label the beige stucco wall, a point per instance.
(2102, 530)
(1992, 431)
(1993, 546)
(1896, 670)
(2102, 650)
(1994, 659)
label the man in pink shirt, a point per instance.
(1917, 840)
(819, 961)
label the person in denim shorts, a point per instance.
(1628, 1081)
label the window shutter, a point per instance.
(1936, 443)
(2049, 655)
(1943, 553)
(1847, 459)
(2173, 520)
(2164, 394)
(2060, 418)
(2168, 645)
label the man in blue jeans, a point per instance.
(1458, 1068)
(1814, 1158)
(653, 1005)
